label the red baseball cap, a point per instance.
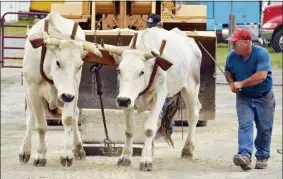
(240, 34)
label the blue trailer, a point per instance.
(248, 15)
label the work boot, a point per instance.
(243, 161)
(261, 164)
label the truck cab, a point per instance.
(272, 28)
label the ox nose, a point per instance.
(67, 97)
(123, 102)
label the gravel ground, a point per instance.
(215, 145)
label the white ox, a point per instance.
(62, 64)
(134, 71)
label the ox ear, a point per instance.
(164, 64)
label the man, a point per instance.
(249, 67)
(154, 20)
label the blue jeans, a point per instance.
(260, 110)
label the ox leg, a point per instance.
(25, 150)
(77, 141)
(125, 158)
(37, 106)
(72, 144)
(150, 129)
(66, 157)
(190, 96)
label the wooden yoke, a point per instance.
(161, 49)
(106, 59)
(133, 46)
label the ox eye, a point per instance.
(58, 64)
(141, 73)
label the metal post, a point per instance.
(232, 25)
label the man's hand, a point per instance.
(233, 89)
(238, 85)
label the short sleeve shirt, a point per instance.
(259, 60)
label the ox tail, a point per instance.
(57, 112)
(168, 113)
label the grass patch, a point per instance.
(222, 52)
(10, 82)
(18, 30)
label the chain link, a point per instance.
(94, 69)
(119, 38)
(94, 39)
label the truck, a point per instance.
(247, 14)
(272, 28)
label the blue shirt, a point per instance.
(259, 60)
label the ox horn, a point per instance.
(112, 48)
(50, 41)
(92, 48)
(149, 55)
(86, 45)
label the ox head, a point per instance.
(65, 62)
(134, 72)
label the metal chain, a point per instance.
(95, 42)
(119, 38)
(94, 69)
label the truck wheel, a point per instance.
(277, 41)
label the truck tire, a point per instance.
(277, 40)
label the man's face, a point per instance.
(240, 46)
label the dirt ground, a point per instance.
(214, 148)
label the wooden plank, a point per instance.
(93, 12)
(185, 21)
(153, 6)
(129, 32)
(191, 12)
(86, 7)
(123, 14)
(68, 9)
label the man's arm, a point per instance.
(229, 76)
(255, 79)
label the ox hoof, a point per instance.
(66, 161)
(125, 162)
(187, 154)
(145, 166)
(24, 158)
(39, 162)
(79, 155)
